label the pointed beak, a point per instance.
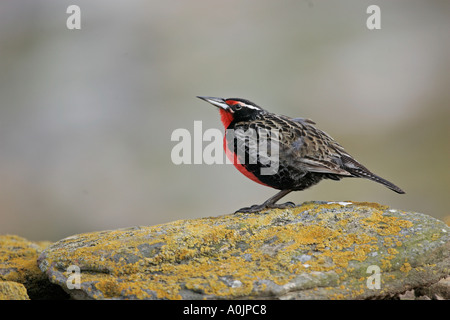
(218, 102)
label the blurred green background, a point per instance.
(86, 115)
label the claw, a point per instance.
(252, 209)
(257, 208)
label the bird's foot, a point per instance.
(260, 207)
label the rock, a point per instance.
(18, 263)
(437, 291)
(317, 250)
(10, 290)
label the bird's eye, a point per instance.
(238, 107)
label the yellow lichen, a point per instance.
(385, 225)
(435, 236)
(18, 259)
(385, 264)
(388, 241)
(406, 267)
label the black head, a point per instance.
(235, 109)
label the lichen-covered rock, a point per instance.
(18, 259)
(317, 250)
(10, 290)
(18, 263)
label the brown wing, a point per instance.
(310, 148)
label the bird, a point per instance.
(304, 154)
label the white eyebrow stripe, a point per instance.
(249, 106)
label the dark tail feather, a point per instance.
(371, 176)
(358, 170)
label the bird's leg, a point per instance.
(270, 203)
